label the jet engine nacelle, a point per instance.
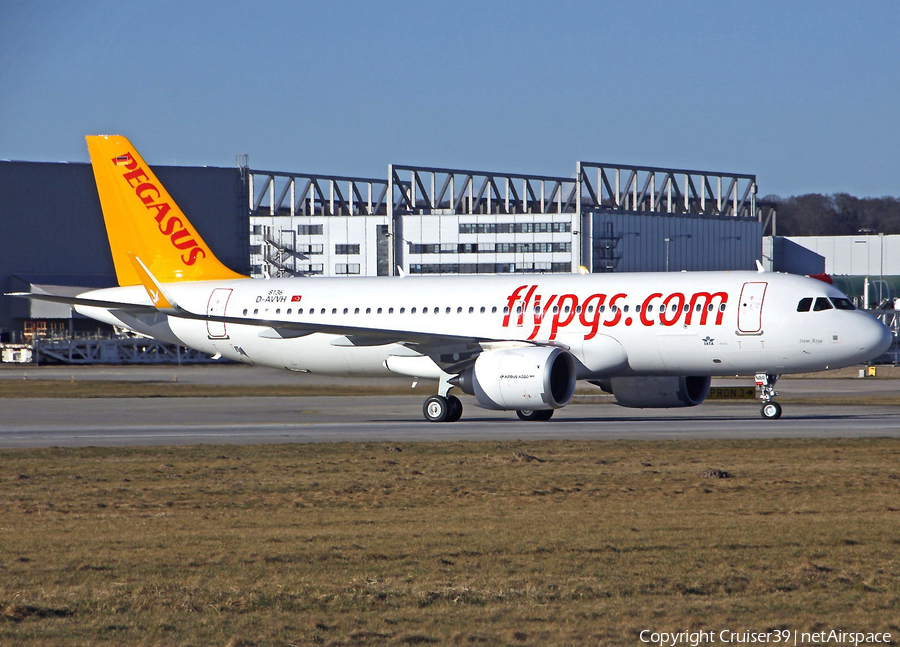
(530, 377)
(658, 392)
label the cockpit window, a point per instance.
(822, 304)
(842, 303)
(804, 305)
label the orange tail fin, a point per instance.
(142, 219)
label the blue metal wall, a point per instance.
(51, 226)
(637, 243)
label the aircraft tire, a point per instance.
(437, 409)
(535, 415)
(771, 411)
(456, 408)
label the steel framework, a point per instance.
(422, 190)
(652, 190)
(305, 194)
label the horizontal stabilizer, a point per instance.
(79, 301)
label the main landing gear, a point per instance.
(765, 383)
(439, 408)
(535, 415)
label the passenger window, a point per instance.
(471, 310)
(446, 311)
(390, 311)
(299, 311)
(345, 310)
(494, 310)
(505, 309)
(378, 311)
(482, 309)
(256, 311)
(334, 311)
(804, 304)
(323, 311)
(245, 311)
(356, 311)
(402, 310)
(412, 311)
(278, 311)
(625, 309)
(842, 303)
(822, 304)
(368, 311)
(458, 310)
(650, 308)
(289, 310)
(721, 307)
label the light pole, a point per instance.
(667, 240)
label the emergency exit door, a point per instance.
(750, 307)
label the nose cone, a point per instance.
(874, 338)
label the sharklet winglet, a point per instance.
(160, 298)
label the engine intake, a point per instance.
(658, 392)
(530, 377)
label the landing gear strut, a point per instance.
(765, 384)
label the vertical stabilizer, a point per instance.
(143, 220)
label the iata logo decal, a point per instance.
(600, 309)
(169, 225)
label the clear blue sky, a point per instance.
(804, 94)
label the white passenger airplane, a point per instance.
(514, 342)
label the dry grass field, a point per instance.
(543, 543)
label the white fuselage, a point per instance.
(704, 323)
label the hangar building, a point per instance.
(420, 220)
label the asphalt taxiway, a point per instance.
(45, 422)
(181, 421)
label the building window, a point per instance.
(346, 249)
(309, 230)
(514, 227)
(346, 268)
(314, 268)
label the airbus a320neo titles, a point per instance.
(514, 343)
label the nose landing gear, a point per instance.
(765, 384)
